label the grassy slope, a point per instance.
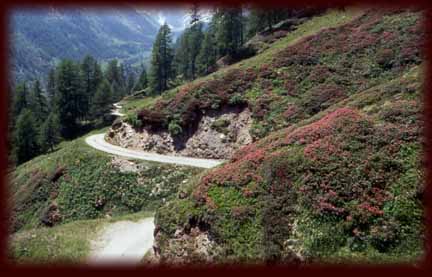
(331, 19)
(67, 243)
(304, 73)
(88, 187)
(344, 180)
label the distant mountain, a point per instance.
(40, 37)
(178, 18)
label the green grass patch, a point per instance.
(69, 242)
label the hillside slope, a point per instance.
(38, 37)
(281, 86)
(77, 182)
(335, 171)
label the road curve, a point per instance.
(116, 110)
(98, 142)
(123, 242)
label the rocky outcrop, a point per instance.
(193, 247)
(218, 135)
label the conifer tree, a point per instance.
(181, 63)
(20, 98)
(194, 40)
(88, 83)
(130, 83)
(142, 81)
(206, 59)
(25, 137)
(50, 133)
(113, 72)
(101, 102)
(38, 103)
(51, 87)
(69, 92)
(161, 63)
(229, 30)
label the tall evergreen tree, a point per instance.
(229, 31)
(260, 19)
(142, 81)
(181, 63)
(38, 103)
(187, 50)
(50, 133)
(206, 59)
(101, 102)
(68, 93)
(88, 83)
(51, 87)
(25, 137)
(130, 84)
(20, 98)
(98, 76)
(122, 76)
(113, 73)
(195, 39)
(161, 63)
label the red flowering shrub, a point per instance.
(153, 119)
(347, 180)
(291, 111)
(385, 58)
(402, 111)
(322, 97)
(343, 118)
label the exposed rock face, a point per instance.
(194, 247)
(218, 135)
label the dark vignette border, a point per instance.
(357, 270)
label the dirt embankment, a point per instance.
(218, 135)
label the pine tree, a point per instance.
(122, 76)
(50, 133)
(181, 63)
(25, 137)
(206, 59)
(68, 93)
(130, 83)
(98, 76)
(117, 91)
(260, 19)
(161, 63)
(38, 103)
(195, 39)
(187, 50)
(229, 30)
(142, 81)
(51, 87)
(88, 83)
(113, 73)
(101, 102)
(20, 98)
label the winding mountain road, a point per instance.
(123, 242)
(98, 142)
(116, 110)
(126, 241)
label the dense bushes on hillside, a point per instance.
(77, 182)
(314, 73)
(343, 182)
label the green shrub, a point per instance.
(133, 120)
(174, 128)
(236, 99)
(220, 126)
